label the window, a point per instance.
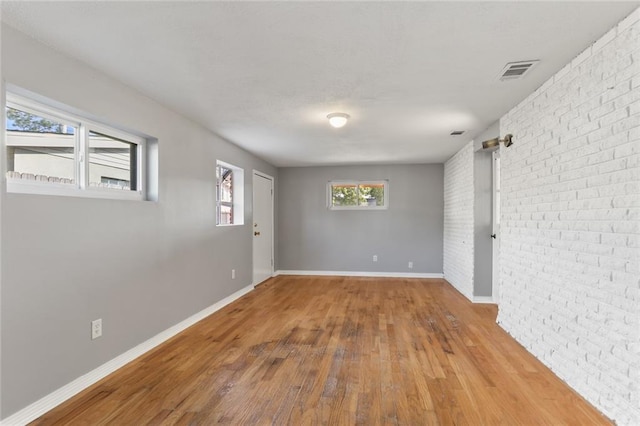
(358, 195)
(225, 195)
(229, 194)
(40, 148)
(50, 151)
(109, 155)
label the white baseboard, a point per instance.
(57, 397)
(360, 274)
(483, 299)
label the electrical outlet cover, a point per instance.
(96, 328)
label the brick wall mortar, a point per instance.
(458, 261)
(570, 236)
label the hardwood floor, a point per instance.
(335, 350)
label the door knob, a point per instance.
(493, 236)
(257, 233)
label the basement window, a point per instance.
(229, 194)
(358, 195)
(53, 152)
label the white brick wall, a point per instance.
(570, 237)
(458, 220)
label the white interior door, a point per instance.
(262, 227)
(495, 290)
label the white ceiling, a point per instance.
(264, 75)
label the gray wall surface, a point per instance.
(140, 266)
(313, 238)
(483, 213)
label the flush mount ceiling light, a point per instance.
(492, 143)
(338, 119)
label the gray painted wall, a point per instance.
(313, 238)
(483, 213)
(140, 266)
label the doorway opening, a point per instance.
(495, 235)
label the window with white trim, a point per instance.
(358, 195)
(51, 151)
(229, 194)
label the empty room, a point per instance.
(332, 212)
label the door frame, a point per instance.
(253, 210)
(495, 228)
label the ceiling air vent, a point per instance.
(514, 70)
(457, 132)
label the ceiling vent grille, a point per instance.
(515, 70)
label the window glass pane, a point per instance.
(226, 184)
(371, 195)
(344, 195)
(112, 162)
(224, 194)
(358, 195)
(226, 215)
(39, 148)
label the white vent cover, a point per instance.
(514, 70)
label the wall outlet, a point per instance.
(96, 328)
(375, 257)
(410, 265)
(233, 274)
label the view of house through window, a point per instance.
(40, 148)
(50, 151)
(229, 194)
(358, 195)
(112, 162)
(225, 195)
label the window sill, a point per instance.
(359, 208)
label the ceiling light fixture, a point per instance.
(338, 119)
(493, 143)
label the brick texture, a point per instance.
(458, 221)
(570, 236)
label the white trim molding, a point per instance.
(483, 299)
(361, 274)
(57, 397)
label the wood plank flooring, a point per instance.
(338, 351)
